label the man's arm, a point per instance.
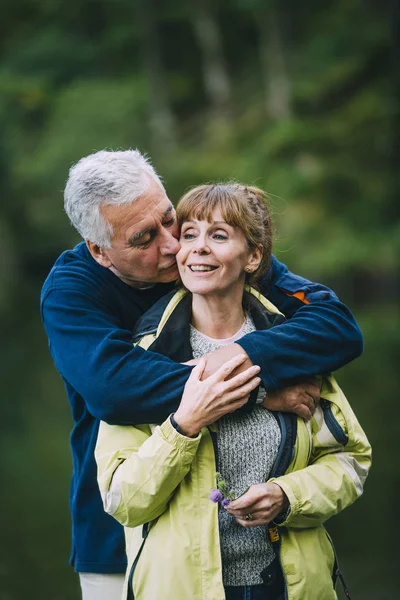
(120, 384)
(319, 336)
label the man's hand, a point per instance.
(204, 401)
(301, 399)
(259, 505)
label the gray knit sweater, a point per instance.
(247, 448)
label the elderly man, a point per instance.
(90, 302)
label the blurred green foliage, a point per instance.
(298, 98)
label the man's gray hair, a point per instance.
(104, 177)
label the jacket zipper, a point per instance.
(332, 423)
(141, 334)
(275, 472)
(273, 531)
(145, 531)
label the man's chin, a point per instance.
(168, 275)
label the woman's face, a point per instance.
(213, 256)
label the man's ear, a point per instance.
(99, 254)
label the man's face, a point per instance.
(144, 243)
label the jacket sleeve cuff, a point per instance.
(186, 445)
(294, 501)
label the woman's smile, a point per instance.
(202, 268)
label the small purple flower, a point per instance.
(215, 496)
(225, 502)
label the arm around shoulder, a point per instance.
(119, 383)
(316, 321)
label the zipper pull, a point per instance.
(273, 532)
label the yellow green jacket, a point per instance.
(156, 482)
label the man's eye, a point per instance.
(143, 245)
(169, 223)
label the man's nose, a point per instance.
(170, 245)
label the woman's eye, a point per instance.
(187, 236)
(220, 237)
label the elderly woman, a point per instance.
(288, 476)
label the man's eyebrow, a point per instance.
(168, 211)
(137, 236)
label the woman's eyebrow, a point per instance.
(211, 222)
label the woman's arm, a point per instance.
(338, 466)
(339, 463)
(138, 470)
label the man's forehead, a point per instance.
(154, 212)
(138, 210)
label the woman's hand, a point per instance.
(259, 505)
(204, 402)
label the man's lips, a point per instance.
(173, 264)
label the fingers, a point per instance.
(255, 522)
(314, 386)
(309, 396)
(226, 369)
(240, 513)
(198, 371)
(311, 403)
(243, 378)
(241, 390)
(237, 398)
(312, 389)
(259, 516)
(250, 498)
(304, 412)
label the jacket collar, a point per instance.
(169, 319)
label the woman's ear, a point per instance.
(99, 254)
(254, 260)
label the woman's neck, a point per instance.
(218, 317)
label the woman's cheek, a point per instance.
(181, 254)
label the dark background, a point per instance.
(300, 98)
